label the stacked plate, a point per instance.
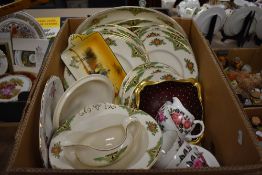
(89, 127)
(234, 22)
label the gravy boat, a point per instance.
(102, 147)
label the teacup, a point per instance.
(169, 149)
(174, 116)
(102, 147)
(179, 156)
(193, 159)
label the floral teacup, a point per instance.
(187, 156)
(194, 159)
(174, 116)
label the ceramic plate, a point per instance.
(116, 30)
(136, 23)
(21, 25)
(173, 53)
(153, 71)
(92, 56)
(145, 147)
(91, 89)
(203, 19)
(118, 14)
(160, 30)
(52, 92)
(126, 51)
(12, 85)
(3, 63)
(234, 22)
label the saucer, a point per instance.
(12, 85)
(143, 153)
(91, 89)
(52, 92)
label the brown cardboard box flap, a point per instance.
(228, 135)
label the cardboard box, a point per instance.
(7, 138)
(228, 134)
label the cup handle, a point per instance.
(201, 132)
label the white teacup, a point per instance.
(193, 159)
(179, 156)
(169, 149)
(174, 116)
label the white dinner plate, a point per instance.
(203, 19)
(234, 22)
(174, 53)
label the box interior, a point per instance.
(227, 134)
(251, 56)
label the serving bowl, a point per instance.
(91, 89)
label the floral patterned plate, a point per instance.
(115, 30)
(21, 25)
(12, 85)
(145, 147)
(136, 23)
(174, 53)
(52, 92)
(3, 63)
(161, 30)
(118, 14)
(128, 53)
(153, 71)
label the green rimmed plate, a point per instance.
(174, 53)
(118, 14)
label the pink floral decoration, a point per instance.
(176, 117)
